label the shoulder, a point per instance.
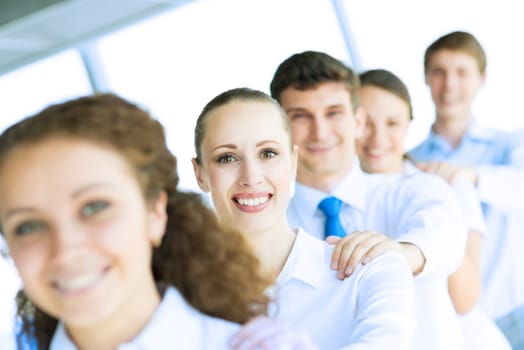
(419, 151)
(420, 184)
(390, 268)
(179, 310)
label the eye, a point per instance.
(268, 154)
(28, 227)
(334, 113)
(226, 158)
(93, 208)
(297, 116)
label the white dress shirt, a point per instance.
(498, 158)
(420, 209)
(174, 325)
(480, 331)
(373, 309)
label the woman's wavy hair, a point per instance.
(212, 267)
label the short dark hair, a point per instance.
(307, 69)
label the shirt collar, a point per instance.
(305, 262)
(476, 132)
(173, 319)
(351, 190)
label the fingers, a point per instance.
(332, 239)
(358, 247)
(448, 171)
(253, 334)
(263, 333)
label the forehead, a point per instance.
(377, 97)
(453, 59)
(246, 118)
(322, 95)
(60, 163)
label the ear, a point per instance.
(360, 119)
(199, 176)
(158, 219)
(482, 78)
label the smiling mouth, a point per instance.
(80, 282)
(252, 202)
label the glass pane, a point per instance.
(395, 34)
(31, 88)
(176, 62)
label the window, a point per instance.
(31, 88)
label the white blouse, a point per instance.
(174, 325)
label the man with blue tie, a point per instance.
(379, 212)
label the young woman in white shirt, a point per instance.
(110, 253)
(246, 160)
(381, 150)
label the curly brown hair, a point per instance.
(212, 267)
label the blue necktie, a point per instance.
(330, 206)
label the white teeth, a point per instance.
(79, 282)
(375, 152)
(251, 202)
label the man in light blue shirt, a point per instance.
(455, 70)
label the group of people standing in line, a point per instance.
(324, 233)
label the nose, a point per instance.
(450, 79)
(251, 173)
(377, 135)
(68, 241)
(319, 129)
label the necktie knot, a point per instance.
(331, 206)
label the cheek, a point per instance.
(30, 264)
(299, 131)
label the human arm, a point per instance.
(385, 303)
(424, 211)
(363, 246)
(465, 284)
(264, 333)
(497, 182)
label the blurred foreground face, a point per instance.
(454, 79)
(381, 146)
(247, 165)
(78, 230)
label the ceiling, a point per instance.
(33, 29)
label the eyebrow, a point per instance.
(87, 188)
(21, 210)
(231, 146)
(264, 142)
(258, 144)
(75, 194)
(300, 109)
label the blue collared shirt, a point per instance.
(498, 158)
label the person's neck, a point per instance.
(120, 328)
(324, 183)
(451, 129)
(272, 248)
